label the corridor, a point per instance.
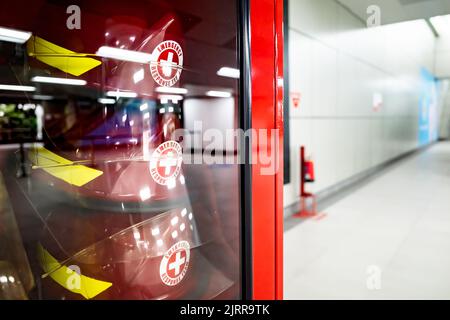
(389, 239)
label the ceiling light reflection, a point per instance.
(121, 94)
(106, 100)
(171, 90)
(12, 35)
(218, 94)
(144, 193)
(123, 54)
(54, 80)
(16, 88)
(228, 72)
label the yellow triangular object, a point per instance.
(59, 57)
(62, 168)
(86, 286)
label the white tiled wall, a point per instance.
(337, 64)
(442, 55)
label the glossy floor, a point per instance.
(390, 239)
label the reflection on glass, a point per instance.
(107, 205)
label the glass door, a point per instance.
(119, 131)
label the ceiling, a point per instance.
(393, 11)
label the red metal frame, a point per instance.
(266, 25)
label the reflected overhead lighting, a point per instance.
(280, 82)
(138, 75)
(121, 94)
(441, 24)
(53, 80)
(167, 24)
(171, 183)
(159, 242)
(228, 72)
(145, 193)
(173, 97)
(106, 101)
(182, 227)
(12, 35)
(174, 221)
(218, 94)
(143, 107)
(175, 234)
(123, 54)
(42, 97)
(171, 90)
(16, 88)
(155, 231)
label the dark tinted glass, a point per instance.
(102, 197)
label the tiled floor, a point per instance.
(388, 240)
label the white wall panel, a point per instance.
(443, 63)
(323, 80)
(212, 113)
(337, 65)
(302, 75)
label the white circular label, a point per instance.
(169, 62)
(175, 263)
(165, 163)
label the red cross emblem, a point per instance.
(175, 263)
(169, 62)
(165, 163)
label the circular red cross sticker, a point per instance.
(169, 57)
(165, 163)
(175, 263)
